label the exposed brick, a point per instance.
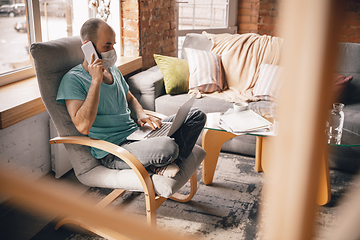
(167, 4)
(254, 19)
(245, 11)
(130, 6)
(157, 28)
(130, 14)
(247, 5)
(351, 22)
(268, 20)
(169, 49)
(343, 38)
(248, 26)
(145, 15)
(267, 27)
(130, 34)
(347, 31)
(131, 25)
(173, 25)
(264, 13)
(250, 1)
(244, 19)
(144, 24)
(355, 39)
(133, 41)
(357, 30)
(351, 15)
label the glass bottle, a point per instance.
(334, 125)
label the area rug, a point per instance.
(226, 209)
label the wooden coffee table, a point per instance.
(214, 137)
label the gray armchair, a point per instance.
(52, 60)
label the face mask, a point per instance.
(109, 58)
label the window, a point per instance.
(214, 16)
(41, 20)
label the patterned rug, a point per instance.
(227, 209)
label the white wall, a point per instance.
(81, 12)
(25, 146)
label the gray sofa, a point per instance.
(148, 88)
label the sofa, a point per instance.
(148, 87)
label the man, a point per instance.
(99, 103)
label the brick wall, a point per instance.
(350, 27)
(157, 29)
(268, 12)
(130, 27)
(149, 26)
(257, 16)
(248, 16)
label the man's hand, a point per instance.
(152, 121)
(96, 68)
(142, 117)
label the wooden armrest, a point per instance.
(116, 150)
(155, 114)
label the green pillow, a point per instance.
(175, 72)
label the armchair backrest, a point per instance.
(52, 61)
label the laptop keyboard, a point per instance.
(165, 128)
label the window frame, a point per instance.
(33, 21)
(231, 24)
(231, 21)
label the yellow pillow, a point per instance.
(175, 72)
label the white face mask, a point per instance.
(109, 58)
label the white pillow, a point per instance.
(268, 84)
(206, 73)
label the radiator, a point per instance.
(60, 162)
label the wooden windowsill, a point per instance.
(21, 100)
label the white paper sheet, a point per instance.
(245, 121)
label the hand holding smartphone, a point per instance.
(89, 49)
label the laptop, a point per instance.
(167, 128)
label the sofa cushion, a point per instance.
(245, 144)
(175, 72)
(340, 83)
(196, 41)
(348, 65)
(206, 73)
(168, 105)
(146, 86)
(268, 84)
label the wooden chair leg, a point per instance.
(151, 207)
(193, 188)
(159, 201)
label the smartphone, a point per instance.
(89, 49)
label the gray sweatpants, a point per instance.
(162, 151)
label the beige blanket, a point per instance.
(241, 57)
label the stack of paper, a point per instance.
(243, 122)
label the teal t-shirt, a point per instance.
(113, 122)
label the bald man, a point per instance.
(99, 103)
